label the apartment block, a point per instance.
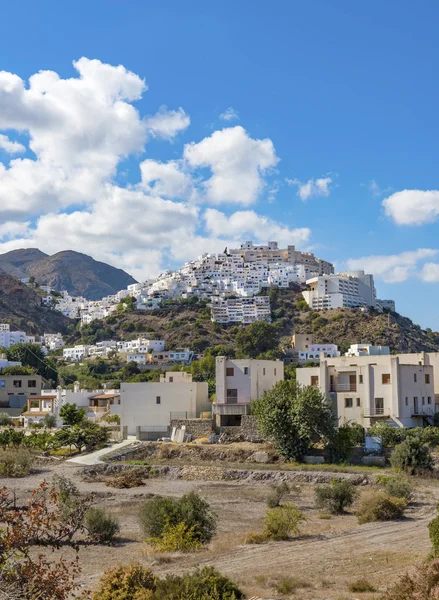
(15, 391)
(241, 310)
(401, 390)
(238, 382)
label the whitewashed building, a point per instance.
(241, 310)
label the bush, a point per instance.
(277, 492)
(176, 538)
(101, 527)
(126, 583)
(49, 421)
(128, 478)
(5, 420)
(379, 506)
(422, 585)
(288, 585)
(17, 463)
(191, 509)
(411, 455)
(398, 487)
(433, 530)
(282, 522)
(361, 585)
(204, 584)
(335, 497)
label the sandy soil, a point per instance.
(327, 558)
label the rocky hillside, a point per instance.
(188, 324)
(20, 306)
(77, 273)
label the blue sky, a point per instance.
(333, 144)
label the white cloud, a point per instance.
(393, 268)
(237, 162)
(312, 187)
(230, 114)
(412, 207)
(166, 124)
(167, 179)
(430, 272)
(248, 224)
(10, 146)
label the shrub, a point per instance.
(288, 585)
(5, 420)
(282, 522)
(176, 538)
(379, 506)
(156, 514)
(49, 421)
(101, 527)
(128, 478)
(335, 497)
(361, 585)
(411, 455)
(399, 487)
(204, 584)
(433, 530)
(422, 585)
(17, 463)
(277, 492)
(126, 583)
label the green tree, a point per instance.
(257, 338)
(71, 414)
(18, 371)
(295, 417)
(31, 355)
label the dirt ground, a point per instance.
(329, 555)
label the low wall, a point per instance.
(196, 427)
(248, 431)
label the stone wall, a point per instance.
(196, 427)
(248, 431)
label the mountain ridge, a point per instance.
(76, 272)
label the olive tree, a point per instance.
(294, 417)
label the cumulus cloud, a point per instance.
(10, 146)
(67, 194)
(312, 187)
(412, 207)
(430, 272)
(166, 124)
(247, 223)
(237, 163)
(230, 114)
(393, 268)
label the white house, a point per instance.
(399, 390)
(76, 353)
(238, 382)
(152, 405)
(367, 350)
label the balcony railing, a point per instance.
(343, 387)
(377, 412)
(231, 409)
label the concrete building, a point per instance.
(8, 338)
(352, 289)
(367, 350)
(15, 391)
(387, 304)
(76, 353)
(241, 310)
(238, 382)
(401, 390)
(301, 341)
(151, 406)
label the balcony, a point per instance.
(231, 409)
(343, 387)
(377, 413)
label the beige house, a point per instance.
(238, 382)
(402, 390)
(151, 406)
(15, 391)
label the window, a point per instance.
(427, 378)
(2, 384)
(315, 380)
(232, 396)
(414, 377)
(423, 401)
(429, 400)
(360, 378)
(158, 400)
(17, 383)
(263, 371)
(406, 401)
(32, 383)
(385, 378)
(275, 372)
(358, 401)
(245, 370)
(171, 380)
(348, 402)
(230, 371)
